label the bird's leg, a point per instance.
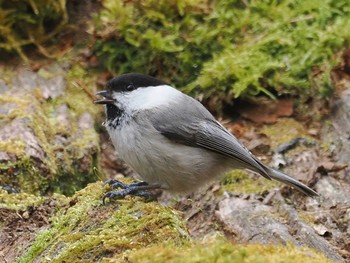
(136, 189)
(118, 184)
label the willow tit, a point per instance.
(171, 140)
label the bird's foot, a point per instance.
(136, 189)
(118, 184)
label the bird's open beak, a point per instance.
(107, 97)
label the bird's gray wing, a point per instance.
(200, 129)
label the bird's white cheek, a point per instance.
(120, 100)
(147, 98)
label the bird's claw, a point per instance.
(128, 189)
(113, 195)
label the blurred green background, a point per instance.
(225, 48)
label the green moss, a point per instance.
(71, 176)
(23, 174)
(89, 231)
(307, 217)
(28, 22)
(239, 182)
(22, 103)
(18, 201)
(225, 252)
(231, 47)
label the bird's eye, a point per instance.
(130, 87)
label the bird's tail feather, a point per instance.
(281, 177)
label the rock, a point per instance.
(322, 230)
(3, 86)
(62, 117)
(19, 129)
(333, 191)
(7, 107)
(4, 156)
(307, 235)
(337, 134)
(49, 80)
(253, 222)
(85, 121)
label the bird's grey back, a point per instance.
(188, 122)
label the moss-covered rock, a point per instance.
(48, 139)
(87, 230)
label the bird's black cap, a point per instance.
(132, 81)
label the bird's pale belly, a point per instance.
(156, 159)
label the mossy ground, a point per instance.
(131, 230)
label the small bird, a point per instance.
(171, 140)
